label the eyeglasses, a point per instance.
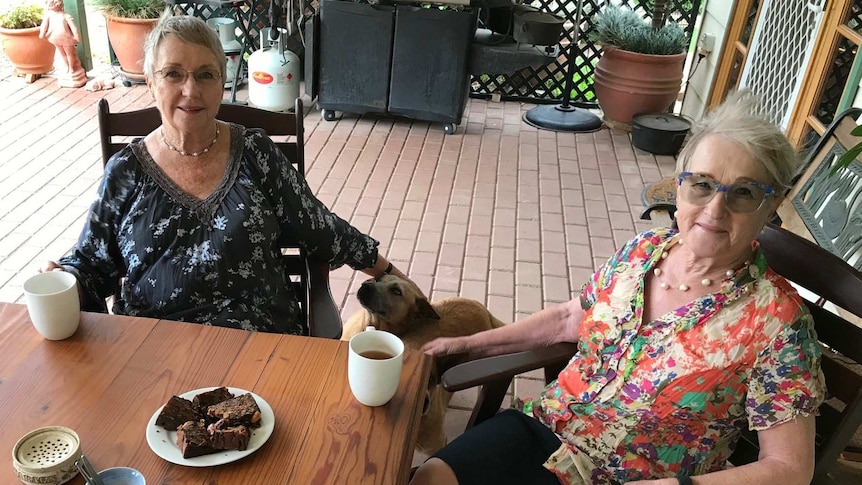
(741, 197)
(178, 75)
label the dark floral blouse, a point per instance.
(215, 261)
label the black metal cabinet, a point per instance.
(355, 56)
(405, 60)
(429, 63)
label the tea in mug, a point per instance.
(376, 355)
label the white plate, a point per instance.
(164, 442)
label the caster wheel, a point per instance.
(127, 83)
(328, 115)
(449, 128)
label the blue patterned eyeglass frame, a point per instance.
(768, 191)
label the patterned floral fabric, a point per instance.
(215, 261)
(645, 400)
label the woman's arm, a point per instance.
(560, 323)
(382, 267)
(786, 458)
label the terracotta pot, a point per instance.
(127, 39)
(628, 83)
(28, 53)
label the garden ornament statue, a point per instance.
(59, 28)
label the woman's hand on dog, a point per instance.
(446, 346)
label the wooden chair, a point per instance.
(798, 260)
(310, 276)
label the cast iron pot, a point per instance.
(659, 133)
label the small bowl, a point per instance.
(47, 455)
(122, 476)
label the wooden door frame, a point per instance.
(728, 49)
(802, 113)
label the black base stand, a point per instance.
(565, 117)
(562, 118)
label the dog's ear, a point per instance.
(425, 310)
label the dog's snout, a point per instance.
(365, 291)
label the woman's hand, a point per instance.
(49, 266)
(446, 346)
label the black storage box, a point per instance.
(429, 63)
(355, 56)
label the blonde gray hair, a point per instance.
(737, 120)
(185, 28)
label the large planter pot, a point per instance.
(127, 39)
(27, 52)
(628, 83)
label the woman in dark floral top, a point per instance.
(190, 220)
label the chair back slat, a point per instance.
(140, 122)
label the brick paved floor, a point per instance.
(500, 212)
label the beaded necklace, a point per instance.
(705, 282)
(185, 153)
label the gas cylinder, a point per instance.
(273, 73)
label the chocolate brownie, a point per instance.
(226, 437)
(239, 410)
(176, 412)
(207, 399)
(194, 440)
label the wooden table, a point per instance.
(108, 379)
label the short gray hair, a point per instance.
(737, 120)
(188, 29)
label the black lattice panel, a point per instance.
(854, 16)
(547, 83)
(836, 79)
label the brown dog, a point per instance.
(398, 306)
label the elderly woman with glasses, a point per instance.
(685, 337)
(190, 219)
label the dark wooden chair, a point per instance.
(798, 260)
(310, 276)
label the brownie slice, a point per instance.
(226, 437)
(176, 412)
(193, 439)
(239, 410)
(207, 399)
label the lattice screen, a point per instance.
(546, 84)
(779, 53)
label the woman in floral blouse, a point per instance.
(685, 337)
(190, 219)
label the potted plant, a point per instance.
(640, 70)
(19, 34)
(128, 22)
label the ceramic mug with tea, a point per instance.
(374, 366)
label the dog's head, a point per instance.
(394, 303)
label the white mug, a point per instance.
(53, 304)
(374, 366)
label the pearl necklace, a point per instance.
(682, 286)
(189, 154)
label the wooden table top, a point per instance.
(107, 380)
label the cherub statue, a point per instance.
(59, 28)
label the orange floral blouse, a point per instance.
(646, 400)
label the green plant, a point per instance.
(131, 9)
(850, 155)
(22, 16)
(626, 30)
